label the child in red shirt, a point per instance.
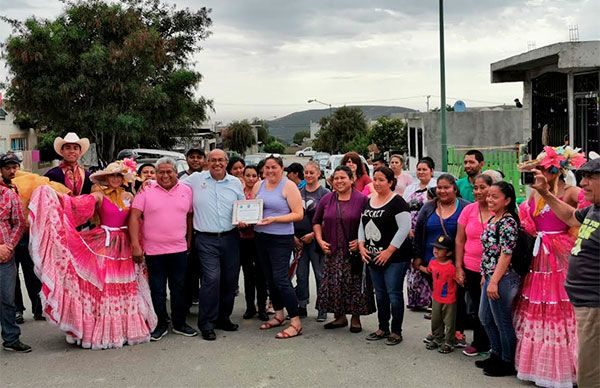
(443, 308)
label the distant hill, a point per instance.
(285, 127)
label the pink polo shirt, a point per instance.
(469, 218)
(165, 217)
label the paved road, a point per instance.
(248, 358)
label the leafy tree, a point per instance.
(274, 147)
(389, 134)
(340, 129)
(359, 144)
(300, 136)
(119, 72)
(239, 136)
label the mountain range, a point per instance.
(285, 127)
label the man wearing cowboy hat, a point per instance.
(69, 172)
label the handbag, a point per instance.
(356, 263)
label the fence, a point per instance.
(501, 158)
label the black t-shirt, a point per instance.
(380, 226)
(583, 278)
(310, 201)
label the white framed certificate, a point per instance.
(249, 211)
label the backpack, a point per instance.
(522, 254)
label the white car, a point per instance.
(335, 160)
(308, 151)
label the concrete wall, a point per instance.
(471, 128)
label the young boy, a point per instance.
(443, 309)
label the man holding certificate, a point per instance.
(217, 242)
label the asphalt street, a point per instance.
(247, 358)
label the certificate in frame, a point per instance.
(248, 211)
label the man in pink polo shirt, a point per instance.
(167, 210)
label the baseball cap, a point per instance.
(7, 159)
(592, 166)
(195, 150)
(444, 242)
(294, 167)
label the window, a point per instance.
(3, 114)
(18, 144)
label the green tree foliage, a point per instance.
(389, 134)
(359, 144)
(274, 147)
(119, 72)
(340, 130)
(300, 136)
(239, 136)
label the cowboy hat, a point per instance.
(126, 168)
(71, 138)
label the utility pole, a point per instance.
(443, 92)
(428, 97)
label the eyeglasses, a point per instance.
(220, 160)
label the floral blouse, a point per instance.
(492, 249)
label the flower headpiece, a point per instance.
(125, 167)
(556, 159)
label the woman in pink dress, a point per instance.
(91, 287)
(544, 318)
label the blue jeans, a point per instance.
(274, 253)
(8, 281)
(310, 255)
(169, 267)
(388, 282)
(496, 316)
(219, 277)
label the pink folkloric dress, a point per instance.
(544, 318)
(91, 287)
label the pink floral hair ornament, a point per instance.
(126, 168)
(556, 160)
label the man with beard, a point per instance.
(196, 160)
(473, 164)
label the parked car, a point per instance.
(146, 155)
(321, 158)
(335, 160)
(308, 151)
(254, 159)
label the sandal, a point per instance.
(432, 345)
(445, 349)
(269, 325)
(393, 340)
(283, 334)
(378, 335)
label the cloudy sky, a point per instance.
(266, 58)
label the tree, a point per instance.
(118, 72)
(300, 136)
(389, 134)
(239, 136)
(340, 129)
(274, 147)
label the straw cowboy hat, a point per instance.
(126, 168)
(71, 138)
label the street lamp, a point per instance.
(322, 103)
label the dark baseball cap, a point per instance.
(195, 150)
(7, 159)
(295, 167)
(444, 242)
(592, 166)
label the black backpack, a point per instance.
(522, 253)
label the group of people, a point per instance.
(104, 247)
